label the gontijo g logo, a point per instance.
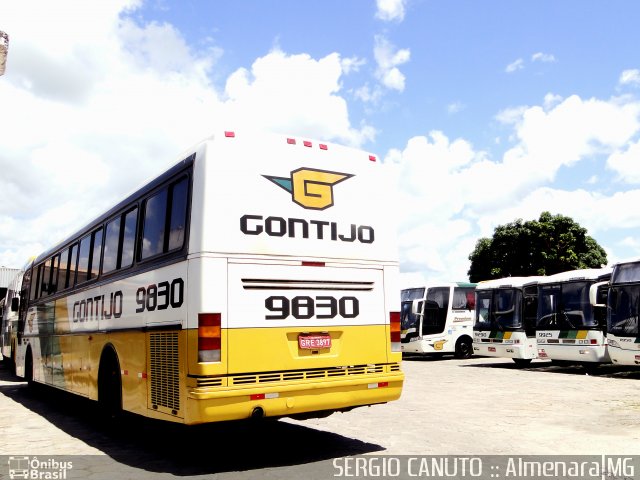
(310, 188)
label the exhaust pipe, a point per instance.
(257, 413)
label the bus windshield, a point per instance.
(622, 318)
(565, 306)
(408, 319)
(499, 309)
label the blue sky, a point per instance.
(483, 111)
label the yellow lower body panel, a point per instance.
(213, 405)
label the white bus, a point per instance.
(571, 323)
(257, 277)
(438, 319)
(623, 335)
(506, 319)
(9, 319)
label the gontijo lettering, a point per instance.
(300, 228)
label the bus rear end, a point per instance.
(294, 307)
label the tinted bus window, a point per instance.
(72, 265)
(178, 215)
(154, 224)
(83, 260)
(129, 238)
(96, 249)
(111, 243)
(62, 270)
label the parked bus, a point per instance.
(257, 277)
(505, 321)
(438, 319)
(9, 319)
(571, 323)
(623, 335)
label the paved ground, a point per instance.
(474, 407)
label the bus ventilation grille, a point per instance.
(312, 374)
(165, 371)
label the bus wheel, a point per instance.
(522, 362)
(464, 348)
(109, 385)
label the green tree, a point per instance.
(551, 244)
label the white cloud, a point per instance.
(543, 57)
(455, 107)
(630, 77)
(99, 102)
(388, 60)
(390, 10)
(292, 93)
(452, 194)
(626, 163)
(352, 64)
(515, 66)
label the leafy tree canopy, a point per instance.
(551, 244)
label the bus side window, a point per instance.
(128, 238)
(111, 245)
(178, 221)
(73, 263)
(155, 213)
(165, 220)
(96, 253)
(83, 260)
(62, 270)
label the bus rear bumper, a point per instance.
(214, 404)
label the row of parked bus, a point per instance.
(587, 316)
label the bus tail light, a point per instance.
(209, 337)
(395, 333)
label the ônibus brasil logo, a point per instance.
(310, 188)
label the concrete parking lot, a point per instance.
(478, 406)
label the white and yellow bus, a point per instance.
(438, 319)
(256, 277)
(505, 320)
(571, 323)
(623, 334)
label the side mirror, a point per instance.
(416, 307)
(15, 304)
(598, 294)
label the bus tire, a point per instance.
(109, 385)
(522, 362)
(464, 348)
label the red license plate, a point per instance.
(314, 342)
(492, 349)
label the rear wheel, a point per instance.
(109, 385)
(464, 348)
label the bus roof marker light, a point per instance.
(313, 264)
(291, 141)
(307, 143)
(229, 134)
(323, 146)
(372, 158)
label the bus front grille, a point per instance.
(165, 370)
